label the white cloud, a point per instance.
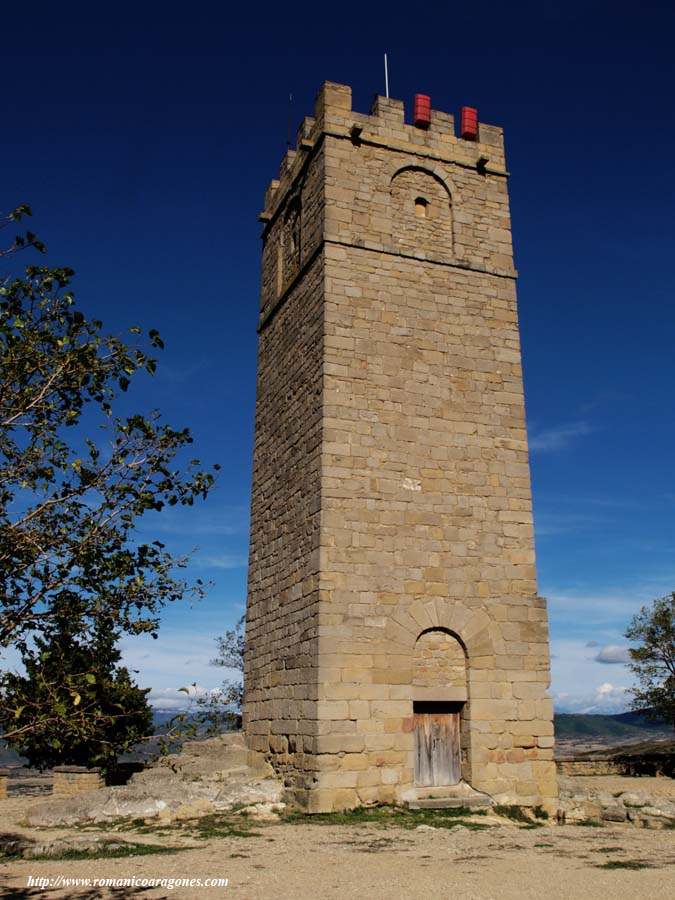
(169, 699)
(559, 438)
(178, 658)
(10, 660)
(606, 699)
(579, 681)
(174, 698)
(613, 654)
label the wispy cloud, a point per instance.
(549, 523)
(582, 610)
(202, 521)
(606, 400)
(551, 439)
(222, 561)
(578, 611)
(181, 374)
(613, 654)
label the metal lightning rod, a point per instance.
(386, 77)
(288, 133)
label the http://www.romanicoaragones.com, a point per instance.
(60, 881)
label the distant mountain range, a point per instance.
(624, 725)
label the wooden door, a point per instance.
(437, 746)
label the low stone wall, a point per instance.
(578, 806)
(72, 780)
(599, 766)
(640, 764)
(4, 775)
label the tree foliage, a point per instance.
(653, 660)
(75, 478)
(21, 241)
(230, 653)
(231, 656)
(215, 711)
(75, 705)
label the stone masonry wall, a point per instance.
(282, 613)
(280, 677)
(414, 454)
(597, 766)
(427, 523)
(438, 663)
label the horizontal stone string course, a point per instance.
(392, 583)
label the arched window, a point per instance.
(421, 212)
(439, 667)
(421, 204)
(290, 243)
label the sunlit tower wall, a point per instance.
(392, 587)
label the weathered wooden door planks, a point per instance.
(437, 748)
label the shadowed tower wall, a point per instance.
(392, 555)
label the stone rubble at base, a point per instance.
(209, 776)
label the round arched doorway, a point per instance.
(439, 695)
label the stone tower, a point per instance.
(396, 644)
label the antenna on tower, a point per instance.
(386, 77)
(288, 134)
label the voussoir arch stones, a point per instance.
(478, 633)
(425, 167)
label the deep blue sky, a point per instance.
(144, 139)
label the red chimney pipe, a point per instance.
(469, 128)
(422, 112)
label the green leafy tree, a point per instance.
(76, 479)
(75, 705)
(653, 660)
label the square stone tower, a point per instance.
(395, 642)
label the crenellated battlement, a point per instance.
(384, 126)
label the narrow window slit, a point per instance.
(421, 207)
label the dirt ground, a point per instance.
(369, 861)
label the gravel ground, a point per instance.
(375, 862)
